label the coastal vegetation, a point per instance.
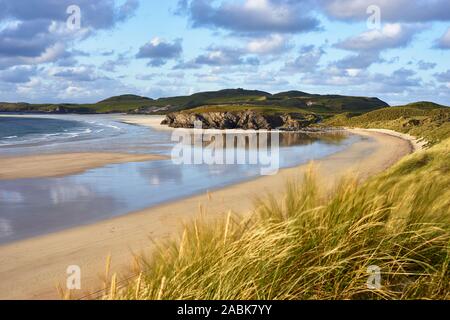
(422, 120)
(311, 245)
(315, 245)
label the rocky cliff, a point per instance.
(241, 120)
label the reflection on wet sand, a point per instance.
(289, 139)
(35, 208)
(286, 139)
(31, 207)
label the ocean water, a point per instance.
(20, 131)
(15, 127)
(33, 207)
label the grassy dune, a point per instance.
(310, 245)
(423, 120)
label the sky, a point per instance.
(83, 51)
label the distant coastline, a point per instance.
(291, 101)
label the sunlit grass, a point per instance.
(311, 245)
(423, 121)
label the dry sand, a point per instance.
(32, 268)
(55, 165)
(149, 121)
(416, 144)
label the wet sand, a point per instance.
(31, 269)
(55, 165)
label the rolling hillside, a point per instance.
(295, 101)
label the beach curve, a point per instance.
(32, 268)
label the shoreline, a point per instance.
(62, 164)
(31, 268)
(154, 122)
(416, 143)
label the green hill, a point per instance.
(291, 94)
(426, 105)
(126, 98)
(291, 101)
(227, 96)
(118, 104)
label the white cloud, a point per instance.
(444, 41)
(307, 60)
(18, 74)
(159, 51)
(35, 31)
(274, 43)
(391, 10)
(443, 76)
(390, 36)
(353, 72)
(79, 73)
(252, 16)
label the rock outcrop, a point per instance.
(247, 120)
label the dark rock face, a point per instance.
(247, 120)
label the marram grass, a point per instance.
(421, 121)
(308, 245)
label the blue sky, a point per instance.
(166, 48)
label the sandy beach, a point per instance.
(149, 121)
(55, 165)
(416, 144)
(32, 268)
